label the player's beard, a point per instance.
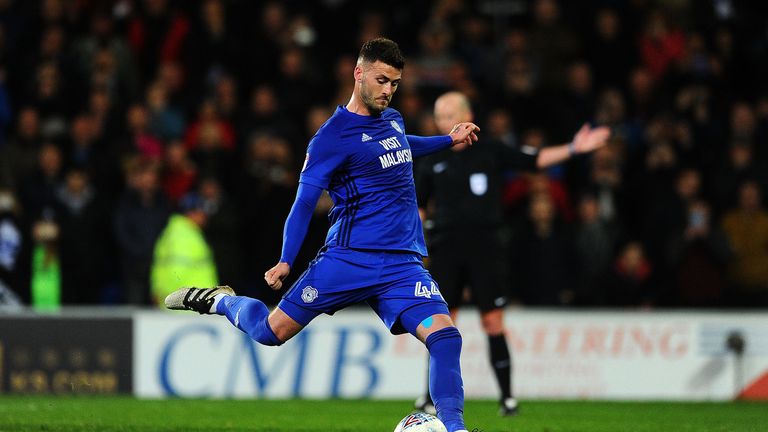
(370, 102)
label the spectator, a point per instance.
(609, 50)
(747, 229)
(141, 215)
(699, 254)
(181, 256)
(83, 239)
(38, 190)
(18, 156)
(179, 172)
(223, 231)
(595, 241)
(540, 264)
(11, 244)
(268, 182)
(166, 122)
(139, 140)
(629, 281)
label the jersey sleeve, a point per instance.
(422, 146)
(325, 154)
(297, 223)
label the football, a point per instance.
(420, 422)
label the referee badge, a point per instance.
(308, 294)
(478, 183)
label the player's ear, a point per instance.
(358, 73)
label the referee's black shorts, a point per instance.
(474, 259)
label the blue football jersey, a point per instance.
(366, 164)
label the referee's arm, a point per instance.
(586, 140)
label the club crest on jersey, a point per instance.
(396, 126)
(308, 294)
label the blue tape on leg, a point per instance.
(427, 323)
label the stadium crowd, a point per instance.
(116, 115)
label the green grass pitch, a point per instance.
(106, 414)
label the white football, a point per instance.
(420, 422)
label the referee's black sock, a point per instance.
(501, 363)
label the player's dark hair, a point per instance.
(383, 50)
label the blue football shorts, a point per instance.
(390, 282)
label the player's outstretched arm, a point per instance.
(586, 140)
(461, 133)
(296, 226)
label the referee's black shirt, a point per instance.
(466, 186)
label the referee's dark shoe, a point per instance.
(199, 300)
(508, 407)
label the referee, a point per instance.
(460, 190)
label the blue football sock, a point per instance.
(249, 315)
(445, 384)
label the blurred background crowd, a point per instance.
(144, 142)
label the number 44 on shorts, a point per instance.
(422, 290)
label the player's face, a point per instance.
(379, 81)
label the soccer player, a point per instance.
(375, 245)
(465, 186)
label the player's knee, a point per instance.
(447, 339)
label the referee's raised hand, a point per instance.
(276, 274)
(464, 133)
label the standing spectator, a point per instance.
(739, 166)
(179, 172)
(609, 50)
(540, 261)
(103, 48)
(553, 43)
(11, 243)
(629, 282)
(166, 122)
(181, 256)
(38, 190)
(747, 229)
(699, 255)
(139, 140)
(223, 231)
(211, 48)
(211, 145)
(83, 239)
(18, 156)
(269, 181)
(661, 45)
(141, 214)
(595, 240)
(156, 34)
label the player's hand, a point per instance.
(588, 140)
(464, 133)
(276, 274)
